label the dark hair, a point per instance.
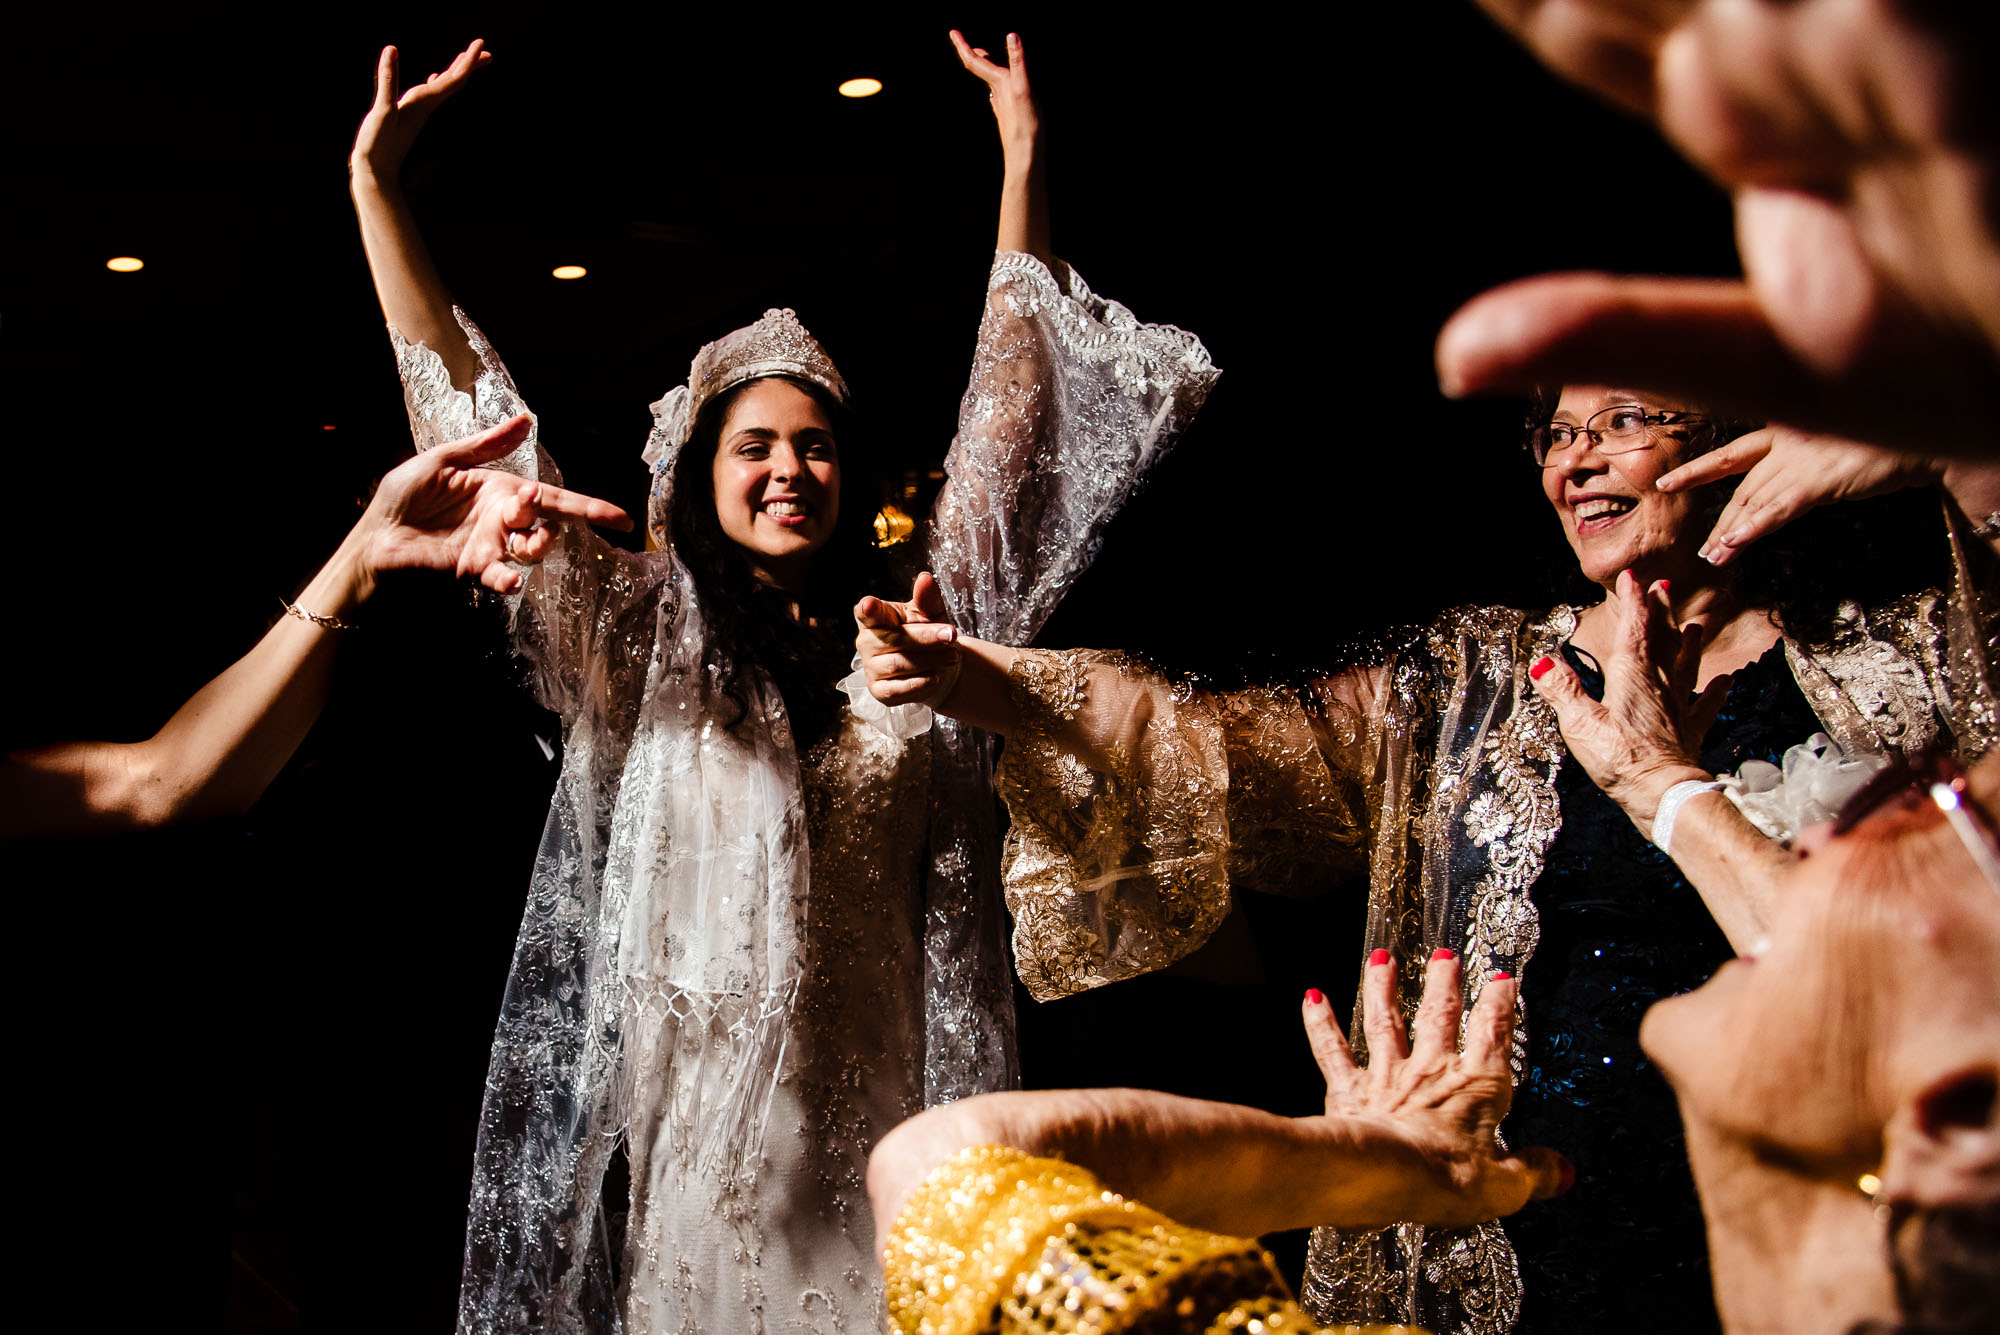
(1946, 1260)
(751, 625)
(1869, 551)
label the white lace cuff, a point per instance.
(899, 721)
(1817, 778)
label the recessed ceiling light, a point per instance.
(125, 264)
(861, 88)
(569, 271)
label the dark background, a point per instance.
(251, 1057)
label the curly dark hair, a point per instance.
(1869, 551)
(752, 626)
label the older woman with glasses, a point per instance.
(1435, 762)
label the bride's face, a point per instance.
(777, 478)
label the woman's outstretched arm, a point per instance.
(1024, 197)
(220, 750)
(414, 298)
(1411, 1136)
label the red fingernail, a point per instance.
(1666, 586)
(1378, 957)
(1313, 997)
(1502, 976)
(1541, 666)
(1441, 953)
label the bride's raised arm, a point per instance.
(1071, 401)
(414, 298)
(573, 618)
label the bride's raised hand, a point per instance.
(394, 121)
(1007, 85)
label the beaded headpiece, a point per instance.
(776, 345)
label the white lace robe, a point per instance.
(745, 965)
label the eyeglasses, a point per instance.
(1616, 430)
(1934, 773)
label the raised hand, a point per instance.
(394, 121)
(441, 511)
(1860, 150)
(1442, 1105)
(1007, 85)
(909, 651)
(1024, 196)
(1644, 736)
(1786, 473)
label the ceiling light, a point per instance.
(569, 271)
(125, 264)
(861, 88)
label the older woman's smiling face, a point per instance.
(1612, 513)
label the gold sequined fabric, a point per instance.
(997, 1242)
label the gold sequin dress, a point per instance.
(1430, 766)
(997, 1242)
(740, 965)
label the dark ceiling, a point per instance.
(267, 1040)
(1310, 194)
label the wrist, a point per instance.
(1640, 799)
(364, 179)
(346, 581)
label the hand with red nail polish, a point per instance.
(1436, 1107)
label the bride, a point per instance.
(762, 927)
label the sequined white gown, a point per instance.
(740, 964)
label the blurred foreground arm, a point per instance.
(1860, 142)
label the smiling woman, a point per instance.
(1498, 811)
(738, 965)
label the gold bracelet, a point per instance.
(330, 623)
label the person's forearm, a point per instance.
(1731, 864)
(983, 695)
(413, 296)
(218, 752)
(1218, 1166)
(1024, 203)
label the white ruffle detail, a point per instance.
(1817, 778)
(899, 721)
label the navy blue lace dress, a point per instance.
(1620, 929)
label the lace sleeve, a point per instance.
(1072, 401)
(997, 1242)
(1135, 801)
(579, 619)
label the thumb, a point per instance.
(928, 599)
(1547, 1173)
(385, 79)
(488, 445)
